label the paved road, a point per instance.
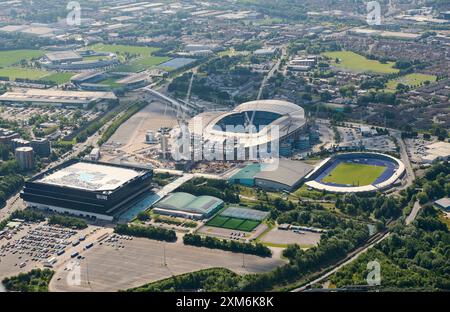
(353, 256)
(413, 214)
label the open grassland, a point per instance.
(411, 80)
(9, 61)
(137, 58)
(351, 61)
(354, 174)
(34, 74)
(11, 57)
(59, 78)
(24, 73)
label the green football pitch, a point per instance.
(233, 223)
(354, 174)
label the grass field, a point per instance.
(59, 78)
(139, 58)
(233, 223)
(354, 62)
(8, 58)
(354, 174)
(25, 73)
(411, 80)
(35, 74)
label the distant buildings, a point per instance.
(265, 52)
(59, 57)
(15, 143)
(25, 157)
(94, 155)
(7, 135)
(57, 97)
(41, 147)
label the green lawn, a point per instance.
(138, 58)
(354, 62)
(59, 78)
(35, 74)
(8, 58)
(411, 80)
(25, 73)
(354, 174)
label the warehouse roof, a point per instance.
(288, 172)
(63, 56)
(55, 96)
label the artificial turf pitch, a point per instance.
(233, 223)
(354, 174)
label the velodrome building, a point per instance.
(87, 189)
(228, 132)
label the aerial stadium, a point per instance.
(249, 128)
(88, 189)
(356, 173)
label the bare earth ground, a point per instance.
(108, 268)
(131, 134)
(276, 236)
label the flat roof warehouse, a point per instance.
(56, 97)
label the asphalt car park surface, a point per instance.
(119, 263)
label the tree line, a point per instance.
(257, 249)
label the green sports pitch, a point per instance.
(233, 223)
(354, 174)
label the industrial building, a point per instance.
(18, 142)
(41, 147)
(7, 135)
(87, 189)
(25, 157)
(57, 97)
(188, 206)
(443, 203)
(286, 175)
(59, 57)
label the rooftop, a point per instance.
(443, 202)
(55, 96)
(91, 177)
(62, 56)
(288, 172)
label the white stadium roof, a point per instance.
(292, 118)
